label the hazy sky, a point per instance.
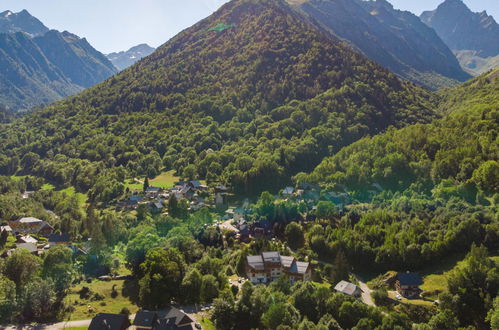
(114, 25)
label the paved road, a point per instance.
(366, 294)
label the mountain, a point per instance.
(395, 39)
(28, 77)
(464, 31)
(457, 154)
(21, 22)
(75, 57)
(44, 66)
(123, 60)
(248, 96)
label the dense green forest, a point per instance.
(458, 152)
(266, 98)
(391, 178)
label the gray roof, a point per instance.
(158, 205)
(6, 228)
(145, 319)
(31, 247)
(177, 317)
(346, 288)
(153, 189)
(287, 261)
(28, 239)
(299, 267)
(271, 256)
(255, 262)
(29, 220)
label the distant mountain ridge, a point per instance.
(395, 39)
(124, 59)
(474, 37)
(39, 66)
(462, 29)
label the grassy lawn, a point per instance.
(207, 324)
(164, 180)
(418, 302)
(87, 308)
(435, 278)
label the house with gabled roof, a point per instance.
(145, 320)
(269, 266)
(349, 289)
(175, 319)
(407, 284)
(106, 321)
(30, 225)
(152, 192)
(59, 239)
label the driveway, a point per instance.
(366, 292)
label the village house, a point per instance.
(6, 229)
(269, 266)
(172, 318)
(25, 239)
(156, 207)
(105, 321)
(152, 192)
(175, 319)
(407, 284)
(145, 320)
(349, 289)
(288, 192)
(59, 239)
(31, 225)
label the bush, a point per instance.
(380, 297)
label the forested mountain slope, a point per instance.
(395, 39)
(248, 96)
(460, 150)
(38, 65)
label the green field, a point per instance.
(207, 324)
(87, 308)
(165, 180)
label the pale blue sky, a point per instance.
(114, 25)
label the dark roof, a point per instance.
(104, 321)
(145, 319)
(136, 198)
(195, 183)
(153, 189)
(175, 319)
(255, 262)
(59, 238)
(412, 279)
